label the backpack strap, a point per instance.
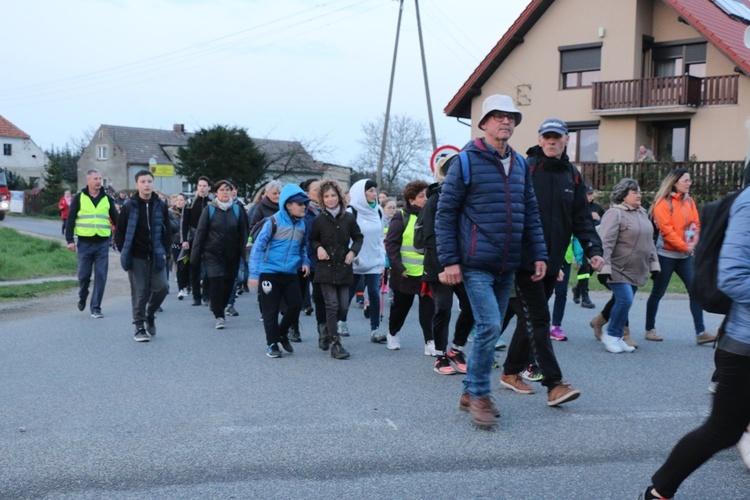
(211, 210)
(463, 156)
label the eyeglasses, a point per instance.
(499, 115)
(686, 181)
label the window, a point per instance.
(580, 65)
(7, 149)
(672, 140)
(584, 144)
(101, 152)
(679, 58)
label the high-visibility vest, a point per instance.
(412, 260)
(93, 220)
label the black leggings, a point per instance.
(729, 418)
(400, 309)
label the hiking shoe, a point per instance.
(81, 305)
(141, 336)
(295, 336)
(232, 311)
(458, 360)
(500, 344)
(705, 338)
(612, 344)
(366, 312)
(556, 333)
(465, 402)
(562, 393)
(576, 294)
(377, 337)
(429, 348)
(151, 325)
(443, 366)
(653, 336)
(284, 341)
(484, 411)
(532, 373)
(515, 383)
(220, 323)
(308, 311)
(323, 341)
(394, 343)
(586, 301)
(181, 294)
(97, 313)
(273, 350)
(338, 351)
(342, 329)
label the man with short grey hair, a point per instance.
(91, 218)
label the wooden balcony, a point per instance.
(680, 92)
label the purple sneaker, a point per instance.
(556, 333)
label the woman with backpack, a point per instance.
(219, 243)
(407, 268)
(676, 217)
(332, 232)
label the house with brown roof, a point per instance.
(20, 154)
(120, 152)
(670, 74)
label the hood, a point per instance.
(435, 187)
(287, 192)
(357, 197)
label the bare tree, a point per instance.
(407, 151)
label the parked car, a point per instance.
(4, 195)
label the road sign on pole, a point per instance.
(441, 153)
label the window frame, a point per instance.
(7, 149)
(580, 65)
(574, 143)
(102, 152)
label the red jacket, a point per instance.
(64, 206)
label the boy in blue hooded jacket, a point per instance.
(278, 253)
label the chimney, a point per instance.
(179, 127)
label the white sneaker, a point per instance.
(429, 348)
(625, 347)
(181, 294)
(612, 344)
(342, 329)
(744, 446)
(394, 343)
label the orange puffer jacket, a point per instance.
(673, 216)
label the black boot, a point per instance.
(585, 300)
(577, 293)
(323, 341)
(337, 350)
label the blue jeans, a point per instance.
(624, 294)
(685, 269)
(90, 256)
(489, 294)
(372, 282)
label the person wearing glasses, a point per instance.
(676, 216)
(487, 212)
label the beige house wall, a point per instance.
(717, 132)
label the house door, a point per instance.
(672, 140)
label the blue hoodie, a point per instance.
(285, 251)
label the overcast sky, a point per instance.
(284, 69)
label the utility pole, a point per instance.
(390, 94)
(426, 84)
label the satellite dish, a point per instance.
(747, 37)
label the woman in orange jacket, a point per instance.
(676, 217)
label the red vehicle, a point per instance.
(4, 195)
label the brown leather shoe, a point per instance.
(484, 411)
(515, 383)
(562, 393)
(465, 402)
(705, 338)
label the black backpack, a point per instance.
(705, 289)
(259, 225)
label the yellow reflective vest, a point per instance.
(93, 220)
(412, 260)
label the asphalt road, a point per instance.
(85, 412)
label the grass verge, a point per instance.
(675, 284)
(25, 257)
(30, 291)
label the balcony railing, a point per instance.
(665, 91)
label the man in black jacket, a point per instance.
(190, 217)
(143, 238)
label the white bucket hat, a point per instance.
(499, 102)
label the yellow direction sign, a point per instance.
(162, 170)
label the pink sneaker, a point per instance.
(556, 333)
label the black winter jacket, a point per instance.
(220, 241)
(334, 234)
(263, 209)
(432, 267)
(563, 209)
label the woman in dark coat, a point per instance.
(219, 243)
(332, 231)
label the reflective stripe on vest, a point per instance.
(93, 220)
(412, 260)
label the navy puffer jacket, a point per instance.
(482, 221)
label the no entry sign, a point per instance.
(441, 153)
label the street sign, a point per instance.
(441, 153)
(162, 170)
